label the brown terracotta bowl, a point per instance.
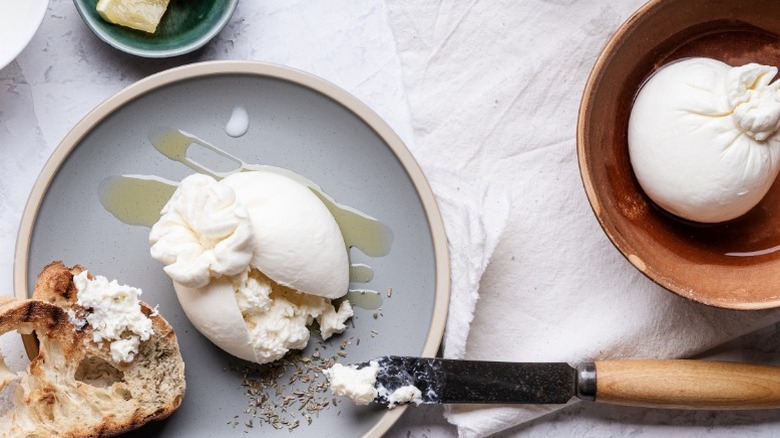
(734, 264)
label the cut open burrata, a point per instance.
(255, 259)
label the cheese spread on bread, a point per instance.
(114, 313)
(73, 387)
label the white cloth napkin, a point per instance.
(475, 213)
(494, 89)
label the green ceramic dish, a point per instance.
(186, 26)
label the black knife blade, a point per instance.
(461, 381)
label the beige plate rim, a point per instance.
(212, 68)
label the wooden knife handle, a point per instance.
(687, 384)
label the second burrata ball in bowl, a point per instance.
(255, 259)
(702, 138)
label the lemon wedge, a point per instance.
(143, 15)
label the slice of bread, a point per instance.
(73, 388)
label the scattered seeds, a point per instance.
(281, 391)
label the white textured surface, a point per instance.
(455, 60)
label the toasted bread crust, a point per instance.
(73, 387)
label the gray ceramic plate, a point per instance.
(297, 122)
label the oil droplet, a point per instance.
(135, 199)
(168, 143)
(174, 144)
(359, 230)
(364, 299)
(238, 124)
(360, 273)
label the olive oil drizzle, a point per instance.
(139, 199)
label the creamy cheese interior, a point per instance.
(356, 384)
(255, 258)
(360, 385)
(403, 395)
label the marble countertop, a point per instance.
(66, 71)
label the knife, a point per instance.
(679, 384)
